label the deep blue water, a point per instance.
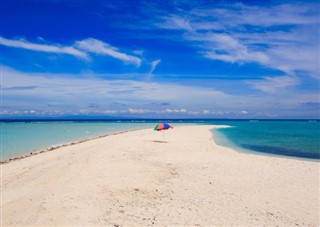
(298, 138)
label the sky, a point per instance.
(160, 59)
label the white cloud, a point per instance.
(64, 89)
(137, 111)
(226, 48)
(206, 112)
(99, 47)
(176, 23)
(80, 49)
(240, 33)
(58, 94)
(175, 111)
(243, 112)
(274, 84)
(19, 43)
(239, 14)
(154, 65)
(29, 111)
(110, 111)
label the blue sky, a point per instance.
(159, 59)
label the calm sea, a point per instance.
(286, 138)
(18, 138)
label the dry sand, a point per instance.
(134, 179)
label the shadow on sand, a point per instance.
(159, 141)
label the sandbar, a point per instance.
(137, 179)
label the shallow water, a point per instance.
(288, 138)
(18, 138)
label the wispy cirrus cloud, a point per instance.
(274, 84)
(226, 48)
(58, 49)
(99, 47)
(239, 33)
(239, 14)
(80, 49)
(154, 65)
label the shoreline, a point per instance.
(229, 144)
(223, 141)
(27, 154)
(55, 147)
(242, 150)
(135, 178)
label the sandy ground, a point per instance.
(134, 179)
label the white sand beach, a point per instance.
(134, 179)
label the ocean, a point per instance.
(299, 138)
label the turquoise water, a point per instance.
(289, 138)
(286, 138)
(18, 138)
